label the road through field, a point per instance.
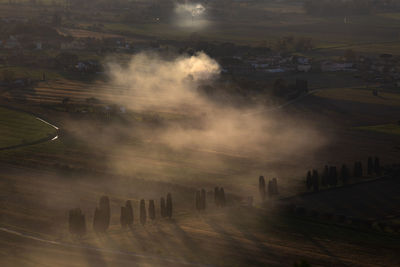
(35, 142)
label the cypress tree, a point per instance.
(309, 181)
(123, 218)
(222, 194)
(325, 176)
(97, 221)
(344, 174)
(370, 167)
(333, 178)
(77, 222)
(377, 166)
(356, 171)
(315, 179)
(216, 196)
(203, 199)
(270, 188)
(129, 213)
(152, 210)
(169, 205)
(163, 208)
(261, 187)
(71, 221)
(143, 216)
(275, 186)
(197, 199)
(105, 212)
(81, 223)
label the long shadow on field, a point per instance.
(335, 260)
(188, 243)
(235, 247)
(93, 257)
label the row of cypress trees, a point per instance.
(330, 176)
(102, 215)
(272, 187)
(165, 209)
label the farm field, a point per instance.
(215, 237)
(361, 95)
(392, 129)
(20, 128)
(372, 200)
(231, 132)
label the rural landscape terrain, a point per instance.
(199, 133)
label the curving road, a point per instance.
(39, 141)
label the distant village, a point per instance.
(234, 59)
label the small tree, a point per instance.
(143, 215)
(344, 174)
(123, 218)
(325, 176)
(377, 166)
(222, 197)
(333, 177)
(315, 180)
(197, 199)
(163, 207)
(77, 222)
(216, 196)
(356, 170)
(169, 205)
(203, 199)
(275, 186)
(261, 187)
(360, 169)
(152, 210)
(309, 181)
(129, 213)
(105, 210)
(370, 166)
(270, 188)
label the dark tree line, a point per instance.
(101, 218)
(330, 176)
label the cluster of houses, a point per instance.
(384, 68)
(282, 64)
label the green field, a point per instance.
(393, 129)
(18, 128)
(361, 96)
